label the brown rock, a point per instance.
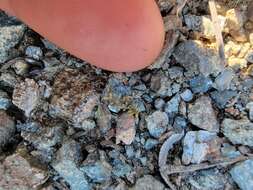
(125, 130)
(26, 96)
(17, 173)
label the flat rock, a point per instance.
(98, 172)
(210, 179)
(202, 114)
(197, 59)
(238, 131)
(148, 182)
(11, 32)
(199, 146)
(125, 130)
(242, 174)
(157, 123)
(17, 173)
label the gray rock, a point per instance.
(249, 57)
(223, 97)
(7, 129)
(150, 144)
(208, 180)
(203, 25)
(11, 32)
(161, 85)
(238, 131)
(66, 165)
(34, 52)
(44, 139)
(120, 168)
(159, 103)
(180, 123)
(117, 95)
(223, 81)
(175, 72)
(70, 150)
(8, 81)
(17, 173)
(157, 123)
(5, 101)
(72, 175)
(202, 114)
(229, 151)
(187, 95)
(199, 146)
(242, 174)
(249, 106)
(148, 182)
(98, 172)
(197, 59)
(172, 106)
(201, 84)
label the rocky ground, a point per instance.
(183, 123)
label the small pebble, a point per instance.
(157, 123)
(34, 52)
(5, 101)
(150, 144)
(187, 95)
(159, 103)
(200, 84)
(242, 174)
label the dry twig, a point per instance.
(218, 31)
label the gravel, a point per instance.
(238, 131)
(157, 123)
(202, 114)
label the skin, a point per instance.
(115, 35)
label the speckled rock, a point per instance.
(242, 174)
(199, 146)
(161, 85)
(172, 106)
(26, 96)
(74, 98)
(34, 52)
(208, 180)
(221, 98)
(150, 144)
(125, 130)
(17, 173)
(7, 128)
(197, 59)
(202, 114)
(238, 131)
(157, 123)
(98, 172)
(44, 139)
(11, 32)
(203, 25)
(235, 21)
(148, 182)
(117, 95)
(187, 95)
(68, 157)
